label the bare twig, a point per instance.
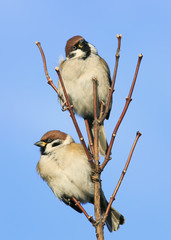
(90, 218)
(50, 82)
(73, 118)
(121, 177)
(96, 125)
(89, 136)
(101, 109)
(128, 100)
(97, 183)
(101, 119)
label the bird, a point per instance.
(65, 167)
(81, 65)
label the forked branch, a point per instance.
(98, 223)
(128, 100)
(121, 177)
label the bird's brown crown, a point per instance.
(54, 134)
(70, 43)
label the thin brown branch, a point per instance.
(44, 61)
(101, 119)
(121, 177)
(101, 109)
(128, 100)
(96, 177)
(90, 218)
(70, 108)
(95, 125)
(50, 81)
(89, 137)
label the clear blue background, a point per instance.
(29, 108)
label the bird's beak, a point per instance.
(80, 45)
(40, 143)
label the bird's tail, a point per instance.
(102, 141)
(114, 218)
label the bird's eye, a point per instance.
(74, 48)
(49, 140)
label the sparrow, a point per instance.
(81, 65)
(65, 167)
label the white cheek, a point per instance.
(93, 49)
(78, 53)
(49, 148)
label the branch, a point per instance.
(121, 177)
(50, 82)
(89, 136)
(101, 109)
(96, 177)
(90, 218)
(101, 119)
(128, 100)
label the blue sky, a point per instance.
(29, 108)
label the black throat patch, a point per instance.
(87, 51)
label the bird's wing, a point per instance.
(104, 63)
(109, 78)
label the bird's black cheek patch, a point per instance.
(56, 144)
(71, 55)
